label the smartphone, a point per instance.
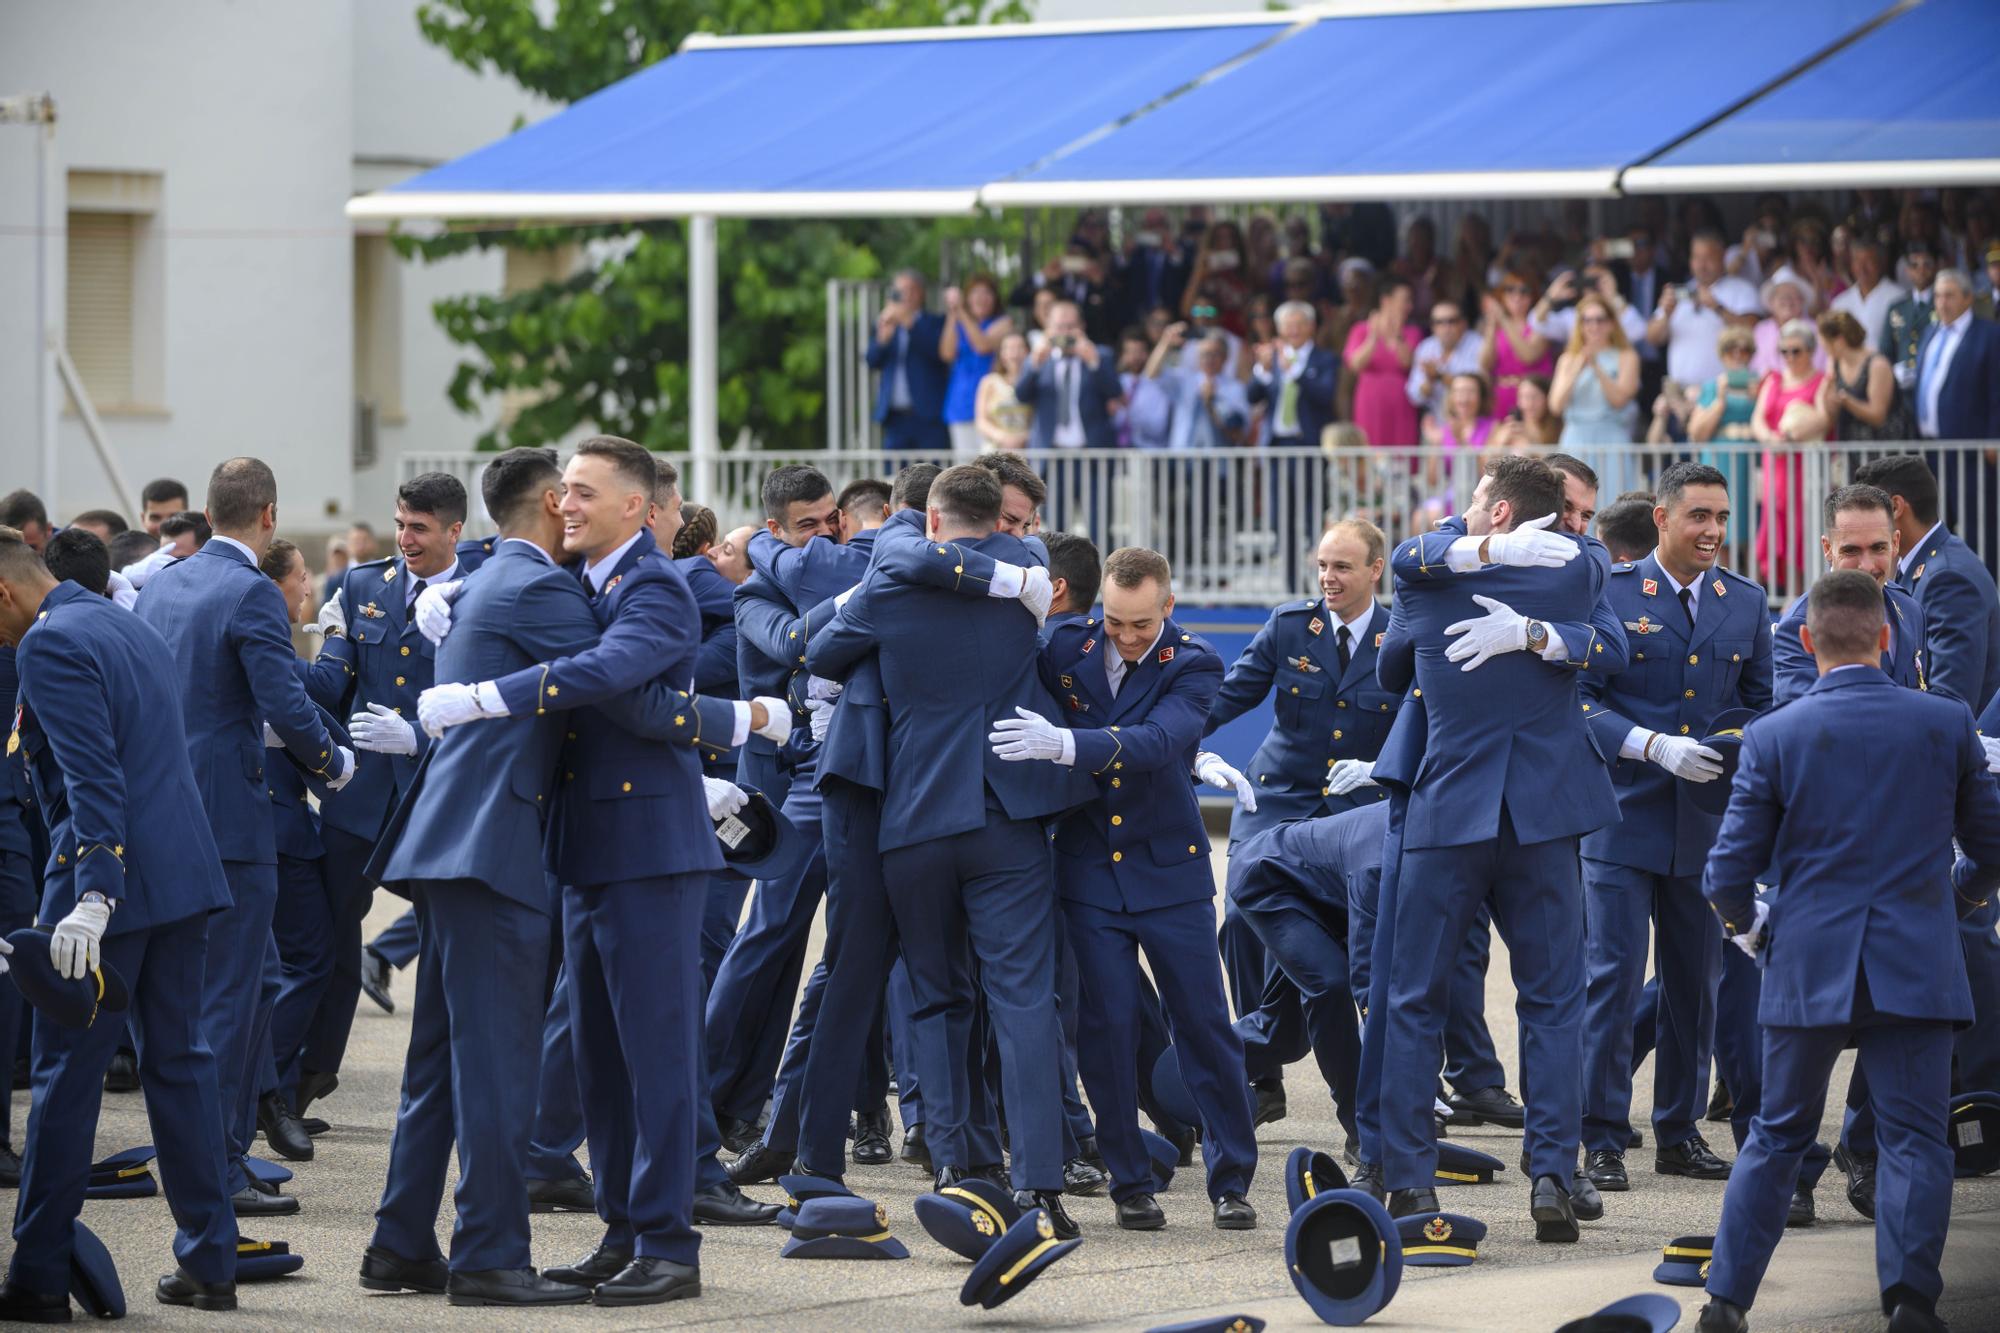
(1618, 247)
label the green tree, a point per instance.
(608, 346)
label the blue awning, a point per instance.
(826, 124)
(1492, 103)
(1915, 101)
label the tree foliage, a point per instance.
(607, 347)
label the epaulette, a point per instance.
(1743, 579)
(1187, 642)
(1307, 605)
(1624, 566)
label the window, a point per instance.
(113, 289)
(378, 329)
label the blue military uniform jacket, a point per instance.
(229, 651)
(715, 664)
(1335, 860)
(1677, 680)
(761, 613)
(382, 658)
(1961, 611)
(1503, 735)
(474, 552)
(98, 724)
(1794, 671)
(294, 822)
(17, 805)
(1140, 844)
(1854, 899)
(1322, 713)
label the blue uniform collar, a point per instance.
(65, 591)
(1849, 677)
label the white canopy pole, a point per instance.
(703, 363)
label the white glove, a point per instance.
(433, 610)
(819, 716)
(332, 619)
(819, 687)
(1684, 757)
(73, 948)
(272, 740)
(724, 798)
(1349, 774)
(1501, 630)
(1028, 735)
(5, 949)
(1751, 940)
(1211, 769)
(777, 719)
(346, 769)
(1992, 748)
(1530, 546)
(1038, 594)
(448, 705)
(382, 731)
(121, 590)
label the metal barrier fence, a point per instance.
(1239, 525)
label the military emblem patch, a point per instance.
(1378, 640)
(1919, 574)
(1043, 1227)
(1068, 684)
(616, 579)
(1302, 663)
(1437, 1229)
(1719, 590)
(1315, 624)
(1167, 654)
(1088, 644)
(1650, 587)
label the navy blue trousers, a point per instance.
(632, 951)
(397, 944)
(303, 928)
(1621, 902)
(1470, 1062)
(1305, 936)
(164, 968)
(720, 917)
(236, 1002)
(469, 1078)
(989, 887)
(351, 892)
(1271, 1018)
(1175, 939)
(558, 1103)
(1909, 1071)
(17, 908)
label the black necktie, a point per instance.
(416, 591)
(1340, 644)
(1687, 605)
(1064, 376)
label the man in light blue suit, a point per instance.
(231, 653)
(1859, 944)
(1494, 815)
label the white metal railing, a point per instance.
(1239, 525)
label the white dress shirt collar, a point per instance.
(599, 571)
(248, 554)
(1116, 668)
(445, 575)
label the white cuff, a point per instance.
(1634, 745)
(1557, 648)
(1068, 756)
(739, 731)
(1007, 580)
(1462, 557)
(487, 695)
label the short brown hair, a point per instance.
(1844, 612)
(20, 562)
(1014, 471)
(699, 526)
(632, 462)
(1531, 486)
(1842, 326)
(277, 558)
(1370, 535)
(238, 491)
(666, 480)
(1130, 567)
(968, 495)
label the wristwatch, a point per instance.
(93, 896)
(1538, 636)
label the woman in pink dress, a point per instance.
(1512, 350)
(1379, 352)
(1791, 409)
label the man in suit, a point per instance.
(964, 852)
(372, 667)
(1700, 643)
(1297, 377)
(1132, 869)
(1154, 270)
(909, 401)
(131, 885)
(1072, 384)
(232, 657)
(1859, 947)
(1958, 398)
(1494, 816)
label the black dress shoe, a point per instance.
(1691, 1159)
(1087, 1149)
(1487, 1106)
(1183, 1141)
(312, 1087)
(1719, 1316)
(649, 1281)
(739, 1136)
(314, 1126)
(945, 1177)
(871, 1140)
(1801, 1212)
(600, 1265)
(10, 1168)
(385, 1270)
(177, 1288)
(375, 972)
(760, 1164)
(1860, 1180)
(1403, 1203)
(1141, 1212)
(915, 1152)
(1367, 1177)
(1082, 1179)
(253, 1202)
(282, 1130)
(18, 1305)
(1584, 1199)
(571, 1194)
(726, 1206)
(511, 1286)
(1555, 1216)
(1270, 1101)
(1910, 1317)
(994, 1173)
(1234, 1213)
(122, 1075)
(1606, 1170)
(1065, 1225)
(1720, 1104)
(1634, 1139)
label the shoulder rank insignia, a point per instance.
(1167, 654)
(1650, 587)
(1315, 624)
(1302, 663)
(1088, 644)
(1720, 591)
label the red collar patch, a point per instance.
(1166, 654)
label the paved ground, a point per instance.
(1821, 1279)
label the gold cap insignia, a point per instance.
(881, 1216)
(1437, 1229)
(1043, 1227)
(982, 1224)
